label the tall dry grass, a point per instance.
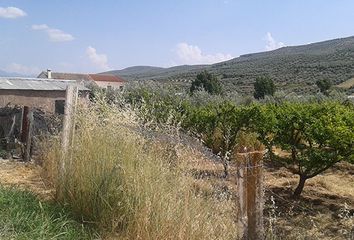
(128, 186)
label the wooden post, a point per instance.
(241, 196)
(70, 101)
(24, 124)
(250, 195)
(30, 119)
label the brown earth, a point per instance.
(325, 209)
(26, 176)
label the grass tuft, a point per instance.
(23, 216)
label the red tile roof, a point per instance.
(106, 78)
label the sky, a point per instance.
(96, 36)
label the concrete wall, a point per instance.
(115, 85)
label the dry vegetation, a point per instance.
(132, 187)
(25, 176)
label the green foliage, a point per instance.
(216, 123)
(23, 216)
(208, 82)
(324, 85)
(264, 86)
(263, 120)
(317, 134)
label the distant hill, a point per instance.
(6, 74)
(154, 73)
(9, 74)
(136, 70)
(294, 68)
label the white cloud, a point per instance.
(99, 60)
(189, 54)
(11, 12)
(55, 35)
(272, 44)
(40, 27)
(22, 69)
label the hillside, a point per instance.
(294, 68)
(155, 73)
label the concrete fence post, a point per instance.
(70, 105)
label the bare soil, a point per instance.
(25, 176)
(325, 209)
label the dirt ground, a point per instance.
(25, 176)
(325, 209)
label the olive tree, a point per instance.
(208, 82)
(324, 85)
(263, 86)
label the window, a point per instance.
(59, 106)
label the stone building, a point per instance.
(47, 95)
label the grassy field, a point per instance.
(24, 216)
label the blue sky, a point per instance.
(94, 36)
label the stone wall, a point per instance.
(115, 85)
